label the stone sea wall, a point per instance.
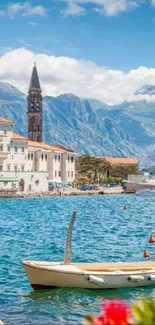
(71, 192)
(132, 187)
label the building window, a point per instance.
(58, 158)
(68, 174)
(8, 168)
(42, 157)
(46, 157)
(15, 168)
(36, 182)
(55, 158)
(32, 105)
(23, 149)
(16, 149)
(12, 156)
(37, 104)
(8, 148)
(22, 168)
(72, 159)
(5, 132)
(1, 148)
(68, 158)
(72, 174)
(55, 173)
(28, 156)
(31, 156)
(59, 173)
(1, 168)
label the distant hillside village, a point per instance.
(29, 165)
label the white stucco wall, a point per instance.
(37, 159)
(17, 156)
(57, 166)
(37, 180)
(20, 160)
(70, 167)
(43, 160)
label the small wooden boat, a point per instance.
(45, 275)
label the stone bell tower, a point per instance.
(34, 108)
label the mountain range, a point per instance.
(88, 125)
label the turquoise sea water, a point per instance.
(36, 229)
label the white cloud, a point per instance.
(23, 8)
(73, 9)
(108, 7)
(35, 11)
(83, 78)
(153, 3)
(4, 49)
(115, 7)
(33, 23)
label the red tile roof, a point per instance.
(59, 146)
(40, 145)
(19, 137)
(5, 121)
(118, 160)
(121, 161)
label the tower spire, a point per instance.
(34, 107)
(34, 83)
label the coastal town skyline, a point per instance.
(77, 148)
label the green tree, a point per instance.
(124, 171)
(96, 167)
(80, 181)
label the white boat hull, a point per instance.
(44, 275)
(145, 192)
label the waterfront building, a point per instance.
(27, 163)
(113, 161)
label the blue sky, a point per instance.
(81, 46)
(123, 41)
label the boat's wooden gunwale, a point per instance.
(116, 272)
(115, 264)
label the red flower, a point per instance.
(114, 313)
(100, 320)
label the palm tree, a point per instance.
(89, 176)
(88, 165)
(105, 167)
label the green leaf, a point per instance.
(144, 312)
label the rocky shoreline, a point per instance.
(73, 192)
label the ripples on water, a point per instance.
(36, 229)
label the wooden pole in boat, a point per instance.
(68, 246)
